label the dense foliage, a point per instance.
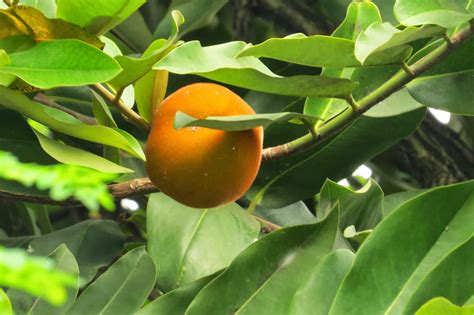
(336, 84)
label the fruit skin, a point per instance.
(201, 167)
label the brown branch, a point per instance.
(131, 188)
(129, 114)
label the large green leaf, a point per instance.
(66, 62)
(97, 16)
(331, 52)
(446, 13)
(177, 301)
(94, 243)
(190, 236)
(425, 242)
(4, 59)
(47, 7)
(393, 201)
(266, 276)
(241, 122)
(198, 13)
(451, 92)
(442, 306)
(24, 303)
(282, 182)
(361, 208)
(379, 37)
(64, 123)
(122, 289)
(220, 63)
(316, 296)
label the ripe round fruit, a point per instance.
(202, 167)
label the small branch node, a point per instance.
(408, 69)
(355, 107)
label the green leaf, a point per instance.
(220, 64)
(122, 289)
(316, 296)
(66, 62)
(70, 155)
(64, 123)
(426, 241)
(265, 277)
(331, 52)
(383, 36)
(94, 243)
(136, 68)
(35, 275)
(24, 303)
(445, 13)
(97, 16)
(350, 232)
(442, 306)
(451, 92)
(361, 208)
(150, 90)
(198, 13)
(294, 214)
(241, 122)
(177, 301)
(285, 181)
(5, 304)
(188, 235)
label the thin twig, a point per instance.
(43, 99)
(267, 224)
(131, 116)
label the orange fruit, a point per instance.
(202, 167)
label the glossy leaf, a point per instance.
(316, 296)
(393, 201)
(332, 52)
(97, 16)
(66, 62)
(241, 122)
(383, 36)
(24, 303)
(446, 13)
(177, 301)
(5, 304)
(361, 208)
(4, 59)
(285, 258)
(26, 20)
(431, 233)
(442, 306)
(283, 182)
(196, 12)
(70, 155)
(220, 64)
(64, 123)
(150, 91)
(122, 289)
(451, 92)
(294, 214)
(192, 235)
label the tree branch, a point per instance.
(43, 99)
(131, 116)
(347, 117)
